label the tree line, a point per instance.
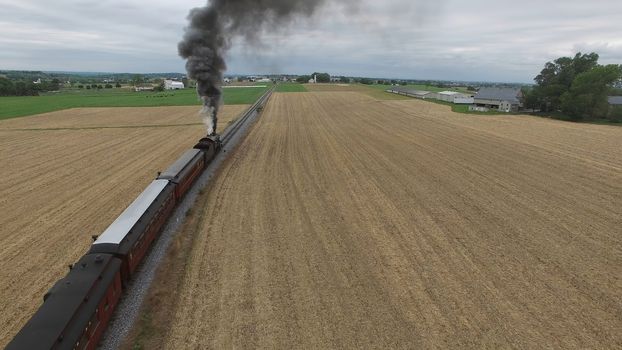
(578, 87)
(321, 78)
(9, 87)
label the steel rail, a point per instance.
(233, 128)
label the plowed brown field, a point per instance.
(67, 175)
(347, 222)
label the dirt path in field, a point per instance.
(60, 187)
(347, 222)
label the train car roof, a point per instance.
(178, 167)
(115, 233)
(69, 305)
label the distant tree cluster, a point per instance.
(303, 79)
(9, 87)
(159, 88)
(321, 78)
(576, 86)
(343, 79)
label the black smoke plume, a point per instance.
(211, 30)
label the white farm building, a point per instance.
(455, 97)
(407, 91)
(173, 85)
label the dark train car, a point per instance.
(210, 146)
(76, 311)
(185, 171)
(131, 234)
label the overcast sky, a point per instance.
(478, 40)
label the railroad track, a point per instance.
(97, 302)
(128, 310)
(252, 110)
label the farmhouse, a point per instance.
(173, 85)
(502, 99)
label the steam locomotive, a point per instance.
(78, 308)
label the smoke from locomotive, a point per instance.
(210, 32)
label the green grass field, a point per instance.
(13, 107)
(290, 87)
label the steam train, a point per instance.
(78, 308)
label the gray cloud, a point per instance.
(446, 39)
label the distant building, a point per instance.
(173, 85)
(615, 108)
(455, 97)
(313, 80)
(502, 99)
(615, 100)
(406, 91)
(464, 100)
(143, 88)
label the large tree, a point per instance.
(587, 97)
(557, 77)
(322, 77)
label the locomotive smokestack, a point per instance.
(210, 31)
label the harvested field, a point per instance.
(347, 222)
(117, 118)
(69, 179)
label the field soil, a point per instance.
(66, 176)
(343, 221)
(117, 117)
